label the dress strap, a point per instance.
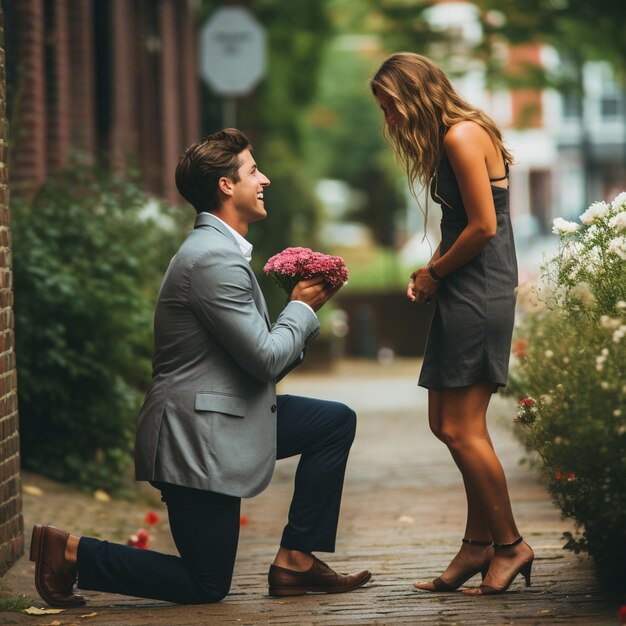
(506, 175)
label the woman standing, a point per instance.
(447, 143)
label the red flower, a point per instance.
(559, 476)
(622, 614)
(142, 535)
(243, 521)
(527, 401)
(571, 476)
(151, 518)
(520, 348)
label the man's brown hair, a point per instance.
(205, 162)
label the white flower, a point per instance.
(563, 227)
(604, 351)
(548, 354)
(610, 323)
(583, 294)
(604, 385)
(621, 304)
(619, 333)
(618, 222)
(529, 297)
(618, 246)
(595, 213)
(619, 201)
(572, 250)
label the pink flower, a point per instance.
(292, 265)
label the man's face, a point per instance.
(248, 192)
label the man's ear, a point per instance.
(225, 185)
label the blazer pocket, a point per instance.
(221, 403)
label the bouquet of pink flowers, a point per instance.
(292, 265)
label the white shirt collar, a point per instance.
(244, 245)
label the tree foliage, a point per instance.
(273, 116)
(580, 30)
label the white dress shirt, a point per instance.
(246, 249)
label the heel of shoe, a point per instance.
(525, 572)
(485, 569)
(284, 592)
(35, 543)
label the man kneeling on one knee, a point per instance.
(211, 426)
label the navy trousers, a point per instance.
(205, 525)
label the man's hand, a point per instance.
(315, 292)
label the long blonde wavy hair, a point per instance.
(429, 106)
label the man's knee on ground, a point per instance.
(209, 593)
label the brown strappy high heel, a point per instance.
(524, 569)
(441, 585)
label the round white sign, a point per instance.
(232, 51)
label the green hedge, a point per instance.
(87, 264)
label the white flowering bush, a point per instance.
(568, 378)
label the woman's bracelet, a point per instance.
(433, 274)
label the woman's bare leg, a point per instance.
(464, 429)
(469, 556)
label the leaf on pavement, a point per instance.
(33, 610)
(32, 490)
(101, 495)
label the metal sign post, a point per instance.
(232, 56)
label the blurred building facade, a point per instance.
(111, 82)
(570, 149)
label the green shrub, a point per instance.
(569, 378)
(87, 264)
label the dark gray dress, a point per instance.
(470, 335)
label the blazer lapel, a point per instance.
(208, 220)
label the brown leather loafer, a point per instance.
(54, 579)
(318, 579)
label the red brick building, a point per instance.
(114, 81)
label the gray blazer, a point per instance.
(209, 418)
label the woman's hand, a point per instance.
(422, 287)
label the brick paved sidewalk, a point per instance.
(402, 517)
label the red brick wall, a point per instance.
(527, 103)
(171, 95)
(116, 81)
(28, 137)
(11, 522)
(58, 85)
(82, 85)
